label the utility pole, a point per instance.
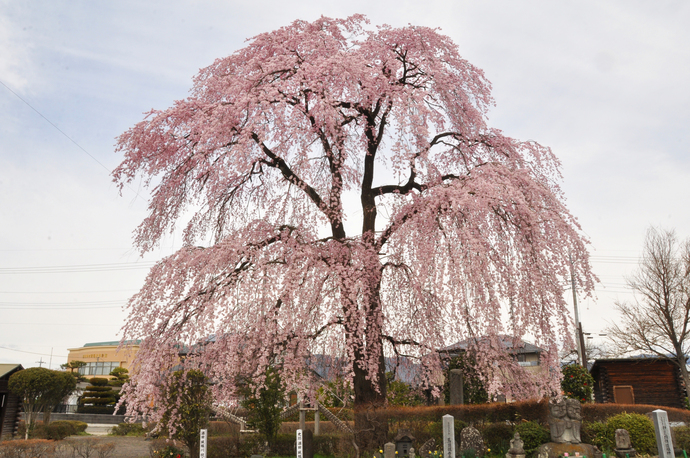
(578, 326)
(41, 362)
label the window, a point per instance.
(98, 368)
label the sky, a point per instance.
(606, 85)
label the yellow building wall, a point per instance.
(102, 357)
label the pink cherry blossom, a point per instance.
(464, 231)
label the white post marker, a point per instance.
(448, 436)
(300, 444)
(662, 429)
(203, 443)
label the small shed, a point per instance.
(655, 381)
(403, 443)
(10, 404)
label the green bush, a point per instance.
(595, 433)
(79, 426)
(533, 435)
(639, 426)
(107, 410)
(497, 436)
(435, 430)
(58, 430)
(128, 429)
(52, 432)
(682, 435)
(223, 447)
(577, 383)
(161, 448)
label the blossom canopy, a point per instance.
(342, 194)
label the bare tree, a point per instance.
(658, 321)
(593, 351)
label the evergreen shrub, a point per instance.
(128, 429)
(533, 435)
(497, 435)
(594, 432)
(577, 383)
(639, 426)
(682, 435)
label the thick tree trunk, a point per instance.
(684, 372)
(371, 425)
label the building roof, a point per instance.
(511, 344)
(113, 343)
(631, 360)
(9, 369)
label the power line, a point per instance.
(62, 324)
(77, 268)
(33, 352)
(32, 307)
(70, 292)
(57, 128)
(67, 136)
(66, 304)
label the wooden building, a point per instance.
(655, 381)
(10, 404)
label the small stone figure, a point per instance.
(516, 447)
(623, 444)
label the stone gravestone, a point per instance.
(427, 448)
(448, 436)
(471, 439)
(389, 450)
(623, 444)
(457, 396)
(664, 442)
(517, 449)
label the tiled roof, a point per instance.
(509, 343)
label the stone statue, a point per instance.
(565, 421)
(516, 448)
(574, 421)
(623, 444)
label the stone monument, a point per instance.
(471, 439)
(565, 422)
(516, 447)
(427, 447)
(662, 428)
(623, 444)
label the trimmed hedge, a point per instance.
(471, 414)
(128, 429)
(35, 448)
(601, 412)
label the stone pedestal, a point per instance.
(554, 450)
